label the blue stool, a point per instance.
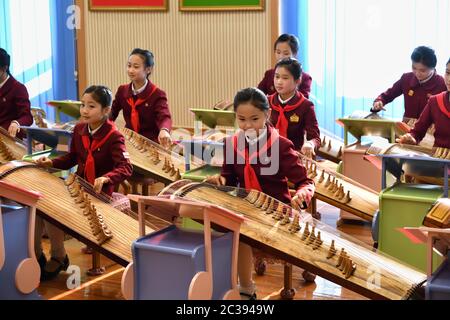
(180, 263)
(19, 269)
(438, 286)
(166, 261)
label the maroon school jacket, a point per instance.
(14, 105)
(433, 115)
(154, 113)
(111, 159)
(275, 185)
(266, 84)
(415, 94)
(301, 120)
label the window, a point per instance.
(42, 48)
(356, 49)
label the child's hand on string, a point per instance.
(406, 139)
(308, 149)
(217, 179)
(164, 138)
(44, 162)
(302, 198)
(13, 128)
(99, 182)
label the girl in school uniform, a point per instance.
(144, 105)
(416, 86)
(14, 102)
(437, 112)
(98, 149)
(257, 157)
(292, 114)
(286, 46)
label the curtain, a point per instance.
(63, 23)
(5, 35)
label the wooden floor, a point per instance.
(269, 285)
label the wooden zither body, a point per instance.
(299, 239)
(430, 172)
(340, 191)
(10, 148)
(152, 159)
(330, 149)
(73, 208)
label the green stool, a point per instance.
(406, 205)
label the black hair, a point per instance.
(5, 60)
(292, 65)
(291, 40)
(448, 61)
(146, 55)
(251, 95)
(101, 94)
(425, 56)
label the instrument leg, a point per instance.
(308, 276)
(313, 209)
(96, 269)
(288, 292)
(260, 266)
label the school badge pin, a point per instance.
(410, 93)
(294, 118)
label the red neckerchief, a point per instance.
(134, 113)
(441, 104)
(89, 169)
(250, 177)
(282, 123)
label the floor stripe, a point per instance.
(273, 296)
(87, 284)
